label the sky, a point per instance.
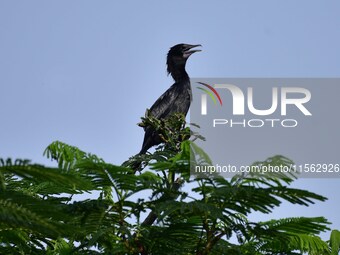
(83, 72)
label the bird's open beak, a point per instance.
(188, 50)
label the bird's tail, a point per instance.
(135, 162)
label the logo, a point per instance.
(282, 99)
(204, 96)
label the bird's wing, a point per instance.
(164, 104)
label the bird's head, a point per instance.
(178, 55)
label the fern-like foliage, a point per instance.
(42, 212)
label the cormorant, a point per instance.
(177, 98)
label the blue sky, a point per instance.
(83, 72)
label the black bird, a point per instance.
(177, 98)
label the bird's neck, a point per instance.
(179, 74)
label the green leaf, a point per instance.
(335, 242)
